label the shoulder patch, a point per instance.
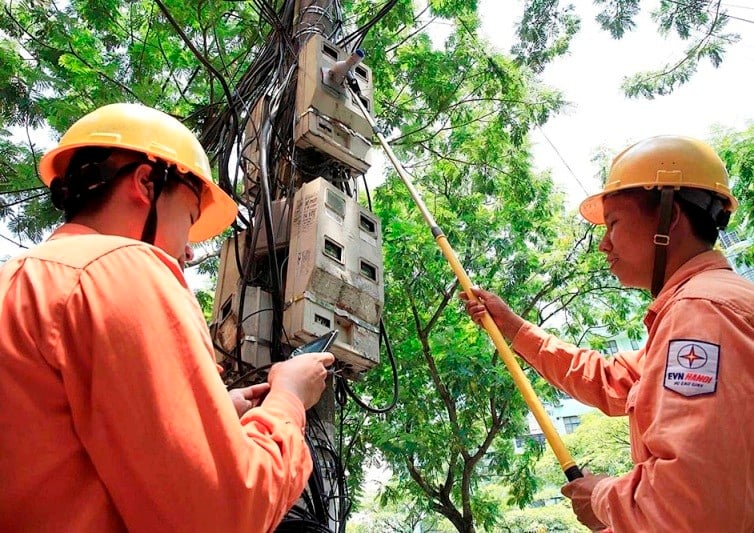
(691, 367)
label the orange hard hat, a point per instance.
(160, 137)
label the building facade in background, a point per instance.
(733, 244)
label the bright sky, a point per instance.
(591, 76)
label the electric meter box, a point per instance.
(254, 337)
(335, 273)
(280, 216)
(228, 275)
(233, 250)
(328, 118)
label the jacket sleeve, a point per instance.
(698, 448)
(584, 374)
(154, 415)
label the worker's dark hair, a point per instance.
(702, 224)
(93, 172)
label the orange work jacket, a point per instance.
(113, 416)
(688, 396)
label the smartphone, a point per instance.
(320, 344)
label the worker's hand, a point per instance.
(580, 492)
(248, 397)
(304, 376)
(507, 321)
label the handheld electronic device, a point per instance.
(320, 344)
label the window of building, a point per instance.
(611, 347)
(634, 344)
(729, 238)
(571, 423)
(521, 441)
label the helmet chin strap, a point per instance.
(662, 240)
(150, 225)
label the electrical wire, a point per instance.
(562, 159)
(356, 38)
(26, 199)
(13, 242)
(346, 388)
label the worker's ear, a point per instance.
(141, 185)
(675, 217)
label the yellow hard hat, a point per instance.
(160, 137)
(661, 161)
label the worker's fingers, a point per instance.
(248, 397)
(256, 391)
(476, 308)
(326, 358)
(476, 291)
(303, 375)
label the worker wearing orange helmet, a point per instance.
(687, 391)
(113, 415)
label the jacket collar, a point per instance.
(70, 229)
(710, 260)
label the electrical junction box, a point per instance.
(233, 250)
(256, 330)
(254, 337)
(328, 118)
(280, 216)
(231, 255)
(335, 274)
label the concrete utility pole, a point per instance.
(309, 263)
(316, 17)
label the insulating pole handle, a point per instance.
(567, 464)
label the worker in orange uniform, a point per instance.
(113, 415)
(688, 391)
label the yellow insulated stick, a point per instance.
(567, 464)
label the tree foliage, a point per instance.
(737, 151)
(600, 442)
(700, 23)
(546, 27)
(62, 59)
(553, 518)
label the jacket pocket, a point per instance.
(637, 451)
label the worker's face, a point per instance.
(628, 242)
(177, 210)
